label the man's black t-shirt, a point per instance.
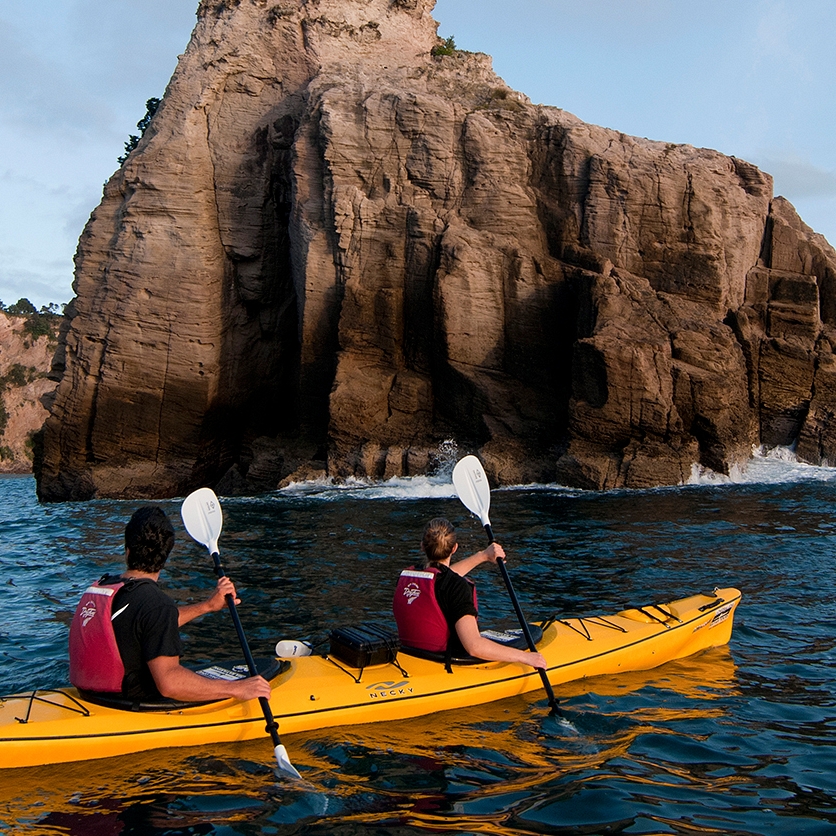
(145, 623)
(455, 598)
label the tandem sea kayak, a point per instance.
(318, 691)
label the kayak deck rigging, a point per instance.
(596, 620)
(37, 695)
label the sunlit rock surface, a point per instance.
(332, 251)
(25, 360)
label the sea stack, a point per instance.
(337, 247)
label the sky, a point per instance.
(749, 78)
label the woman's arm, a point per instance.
(467, 629)
(491, 554)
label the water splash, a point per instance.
(447, 456)
(398, 487)
(438, 483)
(768, 466)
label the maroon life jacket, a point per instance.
(95, 662)
(421, 623)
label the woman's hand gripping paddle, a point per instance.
(473, 490)
(203, 518)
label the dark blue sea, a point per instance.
(739, 740)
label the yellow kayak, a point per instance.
(315, 692)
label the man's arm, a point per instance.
(215, 602)
(467, 629)
(179, 683)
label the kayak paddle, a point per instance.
(203, 518)
(471, 484)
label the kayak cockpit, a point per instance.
(510, 638)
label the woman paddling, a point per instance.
(435, 606)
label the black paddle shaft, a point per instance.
(503, 570)
(272, 726)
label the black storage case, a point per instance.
(364, 645)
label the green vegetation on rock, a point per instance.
(39, 323)
(19, 375)
(133, 139)
(445, 47)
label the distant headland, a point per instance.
(28, 339)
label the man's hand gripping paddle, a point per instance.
(472, 487)
(203, 518)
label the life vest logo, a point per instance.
(88, 612)
(411, 592)
(381, 690)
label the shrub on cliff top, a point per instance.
(39, 323)
(446, 47)
(23, 307)
(133, 140)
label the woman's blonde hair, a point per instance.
(439, 540)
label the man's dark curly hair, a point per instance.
(149, 538)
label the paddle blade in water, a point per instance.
(472, 486)
(283, 762)
(203, 518)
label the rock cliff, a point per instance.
(332, 250)
(25, 360)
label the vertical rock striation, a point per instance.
(332, 250)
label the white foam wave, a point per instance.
(399, 487)
(773, 466)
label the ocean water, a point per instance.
(738, 740)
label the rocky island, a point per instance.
(338, 245)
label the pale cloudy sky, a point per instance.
(752, 78)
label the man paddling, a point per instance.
(125, 638)
(435, 606)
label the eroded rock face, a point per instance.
(25, 359)
(332, 251)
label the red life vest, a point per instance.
(95, 662)
(421, 623)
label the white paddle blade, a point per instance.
(471, 484)
(203, 518)
(283, 762)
